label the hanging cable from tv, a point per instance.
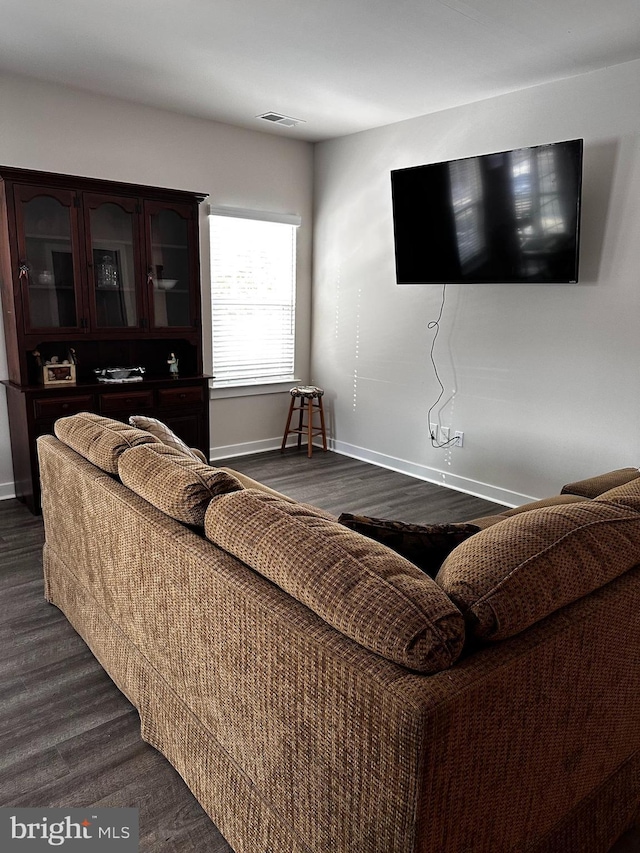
(435, 324)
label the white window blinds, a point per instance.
(253, 289)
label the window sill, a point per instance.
(250, 389)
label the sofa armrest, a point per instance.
(488, 520)
(592, 487)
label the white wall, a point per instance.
(57, 129)
(543, 380)
(545, 377)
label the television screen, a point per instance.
(509, 217)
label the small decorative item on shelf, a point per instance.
(56, 372)
(172, 361)
(120, 374)
(107, 278)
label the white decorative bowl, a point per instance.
(167, 283)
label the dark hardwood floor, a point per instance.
(70, 738)
(340, 484)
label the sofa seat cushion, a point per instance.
(360, 587)
(100, 440)
(592, 487)
(425, 545)
(516, 572)
(181, 486)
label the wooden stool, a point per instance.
(309, 400)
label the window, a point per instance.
(253, 290)
(466, 196)
(538, 193)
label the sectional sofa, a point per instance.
(321, 693)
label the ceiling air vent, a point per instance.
(278, 118)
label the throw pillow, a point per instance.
(515, 573)
(165, 434)
(179, 485)
(364, 590)
(425, 545)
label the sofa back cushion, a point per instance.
(100, 440)
(179, 485)
(360, 587)
(516, 572)
(625, 495)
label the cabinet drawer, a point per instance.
(180, 396)
(124, 401)
(61, 406)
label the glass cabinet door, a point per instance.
(112, 251)
(170, 249)
(47, 230)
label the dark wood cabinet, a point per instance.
(47, 259)
(113, 245)
(104, 274)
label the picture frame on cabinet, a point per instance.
(58, 374)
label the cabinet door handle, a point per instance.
(149, 276)
(24, 270)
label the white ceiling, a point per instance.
(339, 65)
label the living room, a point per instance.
(537, 377)
(540, 378)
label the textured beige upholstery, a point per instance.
(100, 440)
(594, 486)
(627, 495)
(298, 739)
(515, 573)
(362, 588)
(164, 434)
(178, 484)
(250, 483)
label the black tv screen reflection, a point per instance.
(509, 217)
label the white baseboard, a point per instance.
(7, 490)
(412, 469)
(226, 451)
(433, 475)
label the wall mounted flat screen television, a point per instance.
(509, 217)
